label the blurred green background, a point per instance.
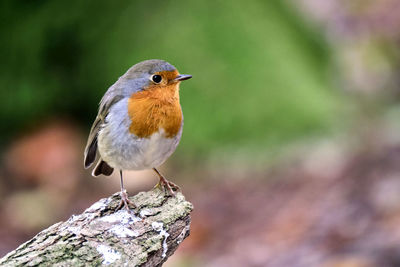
(260, 73)
(291, 122)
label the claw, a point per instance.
(125, 202)
(167, 185)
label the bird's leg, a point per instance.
(124, 196)
(164, 183)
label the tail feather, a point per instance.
(102, 168)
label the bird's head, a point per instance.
(152, 75)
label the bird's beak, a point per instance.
(182, 77)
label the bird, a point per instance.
(139, 124)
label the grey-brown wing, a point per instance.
(91, 147)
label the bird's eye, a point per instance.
(156, 78)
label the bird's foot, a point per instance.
(168, 185)
(125, 202)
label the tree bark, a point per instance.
(101, 236)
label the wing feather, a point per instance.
(91, 147)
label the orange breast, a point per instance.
(154, 108)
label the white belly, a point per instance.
(123, 150)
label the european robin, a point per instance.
(139, 123)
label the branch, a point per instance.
(103, 236)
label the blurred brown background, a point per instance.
(291, 145)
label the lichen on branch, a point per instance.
(101, 235)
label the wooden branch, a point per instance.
(103, 236)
